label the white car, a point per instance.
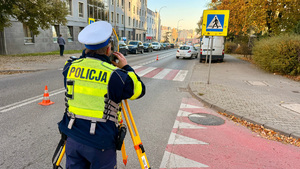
(186, 51)
(156, 45)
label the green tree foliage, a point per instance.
(34, 13)
(280, 54)
(272, 16)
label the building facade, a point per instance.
(129, 21)
(128, 17)
(152, 26)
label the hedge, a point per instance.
(280, 54)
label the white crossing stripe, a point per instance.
(183, 125)
(188, 106)
(171, 160)
(162, 74)
(180, 139)
(143, 72)
(136, 67)
(180, 75)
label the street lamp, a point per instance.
(177, 30)
(159, 24)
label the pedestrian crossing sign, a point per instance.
(215, 22)
(91, 20)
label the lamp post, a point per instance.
(177, 30)
(159, 23)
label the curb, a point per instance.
(220, 109)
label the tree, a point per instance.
(174, 34)
(166, 37)
(261, 15)
(33, 13)
(199, 28)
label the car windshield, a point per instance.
(146, 44)
(154, 43)
(184, 48)
(133, 43)
(122, 44)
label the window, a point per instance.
(70, 34)
(81, 28)
(129, 6)
(140, 12)
(112, 2)
(122, 3)
(122, 19)
(129, 35)
(118, 18)
(137, 10)
(80, 9)
(118, 3)
(129, 21)
(55, 33)
(91, 11)
(112, 16)
(137, 23)
(133, 22)
(123, 33)
(133, 9)
(69, 5)
(28, 35)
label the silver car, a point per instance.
(186, 51)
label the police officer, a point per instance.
(95, 88)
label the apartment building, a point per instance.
(152, 25)
(129, 20)
(128, 17)
(18, 38)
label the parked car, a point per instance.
(217, 51)
(186, 51)
(162, 46)
(135, 47)
(165, 45)
(156, 46)
(123, 48)
(168, 45)
(172, 45)
(148, 47)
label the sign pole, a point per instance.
(211, 48)
(207, 50)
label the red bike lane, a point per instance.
(229, 145)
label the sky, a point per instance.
(188, 11)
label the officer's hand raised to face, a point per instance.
(122, 60)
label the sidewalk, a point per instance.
(241, 89)
(16, 64)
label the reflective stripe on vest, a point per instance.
(137, 86)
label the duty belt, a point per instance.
(110, 113)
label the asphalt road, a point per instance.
(29, 133)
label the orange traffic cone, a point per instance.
(46, 100)
(157, 57)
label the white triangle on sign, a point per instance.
(215, 23)
(188, 106)
(180, 139)
(171, 160)
(184, 125)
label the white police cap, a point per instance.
(96, 35)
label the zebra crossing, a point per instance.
(160, 73)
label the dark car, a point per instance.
(148, 47)
(135, 47)
(172, 45)
(165, 45)
(123, 48)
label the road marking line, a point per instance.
(180, 139)
(143, 72)
(171, 160)
(162, 74)
(183, 125)
(180, 75)
(183, 105)
(28, 101)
